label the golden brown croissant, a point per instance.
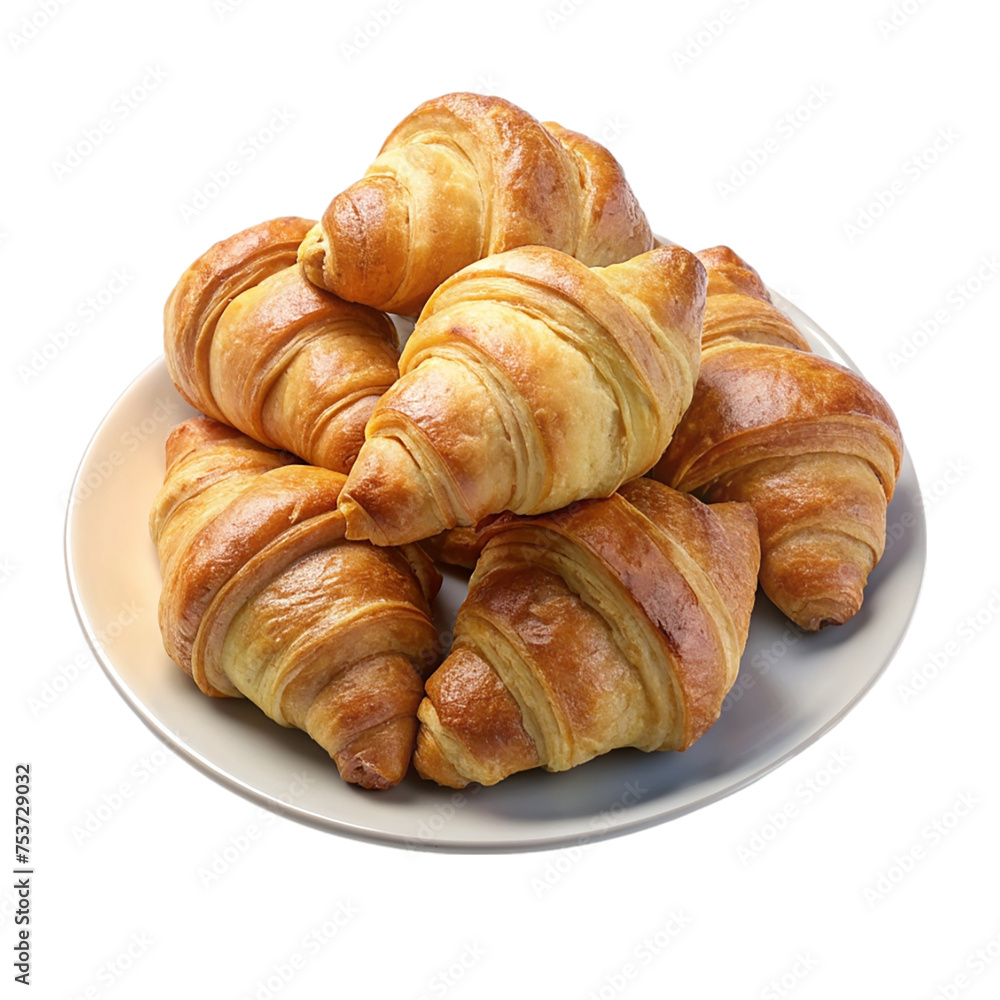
(739, 305)
(809, 443)
(264, 598)
(462, 177)
(530, 381)
(250, 342)
(614, 623)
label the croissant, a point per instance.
(251, 343)
(462, 177)
(615, 623)
(529, 382)
(738, 305)
(264, 598)
(810, 444)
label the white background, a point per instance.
(800, 916)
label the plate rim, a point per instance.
(361, 832)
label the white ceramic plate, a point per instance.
(792, 687)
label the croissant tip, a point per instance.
(360, 526)
(821, 613)
(431, 763)
(387, 499)
(357, 771)
(312, 255)
(380, 757)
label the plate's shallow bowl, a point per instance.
(791, 689)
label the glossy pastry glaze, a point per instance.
(616, 622)
(462, 177)
(811, 444)
(264, 598)
(739, 305)
(530, 382)
(249, 341)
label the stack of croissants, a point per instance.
(619, 437)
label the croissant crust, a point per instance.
(529, 382)
(463, 177)
(809, 443)
(250, 342)
(618, 622)
(264, 598)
